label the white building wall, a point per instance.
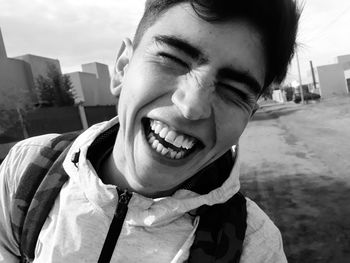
(92, 85)
(277, 95)
(86, 87)
(78, 89)
(102, 74)
(332, 80)
(343, 59)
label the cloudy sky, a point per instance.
(82, 31)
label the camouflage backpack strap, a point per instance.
(37, 191)
(221, 230)
(220, 233)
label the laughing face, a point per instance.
(187, 93)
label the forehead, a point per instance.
(232, 43)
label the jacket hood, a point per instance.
(152, 211)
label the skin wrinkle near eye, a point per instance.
(241, 76)
(231, 74)
(198, 81)
(241, 100)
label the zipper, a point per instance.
(116, 226)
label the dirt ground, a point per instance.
(296, 166)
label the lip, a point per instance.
(167, 161)
(199, 142)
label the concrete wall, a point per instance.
(97, 114)
(332, 80)
(277, 95)
(15, 78)
(75, 79)
(55, 120)
(18, 75)
(86, 86)
(92, 85)
(39, 65)
(343, 59)
(102, 74)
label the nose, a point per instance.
(194, 100)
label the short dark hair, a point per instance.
(276, 21)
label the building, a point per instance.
(345, 62)
(331, 79)
(39, 65)
(92, 85)
(16, 80)
(18, 75)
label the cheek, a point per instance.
(145, 83)
(230, 124)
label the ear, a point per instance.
(120, 67)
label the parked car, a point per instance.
(307, 96)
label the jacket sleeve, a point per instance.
(263, 241)
(9, 251)
(11, 171)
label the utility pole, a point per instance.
(300, 81)
(82, 115)
(313, 75)
(21, 121)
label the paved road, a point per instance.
(296, 165)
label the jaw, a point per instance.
(147, 170)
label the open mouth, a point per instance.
(168, 142)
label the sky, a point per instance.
(82, 31)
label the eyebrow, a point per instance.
(194, 52)
(182, 45)
(241, 76)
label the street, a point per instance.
(296, 166)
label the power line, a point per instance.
(321, 31)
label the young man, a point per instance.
(159, 183)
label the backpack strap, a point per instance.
(221, 230)
(220, 233)
(38, 188)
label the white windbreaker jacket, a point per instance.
(78, 223)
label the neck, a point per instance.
(111, 174)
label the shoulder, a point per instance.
(34, 142)
(263, 241)
(20, 156)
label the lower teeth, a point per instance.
(158, 147)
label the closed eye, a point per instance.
(173, 59)
(233, 94)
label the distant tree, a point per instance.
(14, 104)
(44, 90)
(69, 94)
(54, 89)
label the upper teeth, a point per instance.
(171, 136)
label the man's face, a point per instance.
(187, 94)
